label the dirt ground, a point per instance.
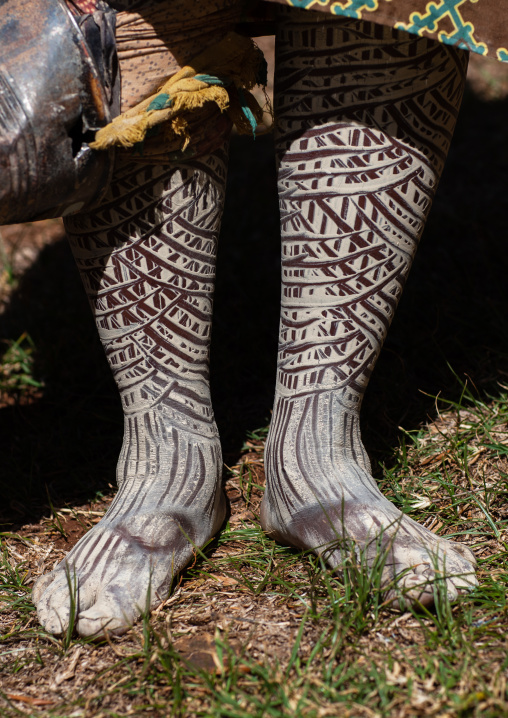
(60, 434)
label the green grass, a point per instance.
(283, 635)
(8, 277)
(16, 367)
(307, 642)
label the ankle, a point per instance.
(328, 419)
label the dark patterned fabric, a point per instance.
(476, 25)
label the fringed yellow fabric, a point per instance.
(222, 74)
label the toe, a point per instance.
(423, 587)
(465, 582)
(466, 553)
(54, 606)
(101, 619)
(451, 591)
(410, 590)
(41, 585)
(113, 612)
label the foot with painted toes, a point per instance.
(147, 260)
(357, 176)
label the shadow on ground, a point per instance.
(453, 314)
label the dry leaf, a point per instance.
(28, 699)
(69, 672)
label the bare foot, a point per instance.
(147, 260)
(320, 497)
(126, 564)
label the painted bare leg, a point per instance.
(365, 116)
(147, 260)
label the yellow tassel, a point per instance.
(197, 98)
(123, 132)
(235, 58)
(179, 127)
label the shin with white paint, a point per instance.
(365, 115)
(147, 260)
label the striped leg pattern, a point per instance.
(365, 115)
(147, 260)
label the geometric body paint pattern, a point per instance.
(147, 260)
(365, 116)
